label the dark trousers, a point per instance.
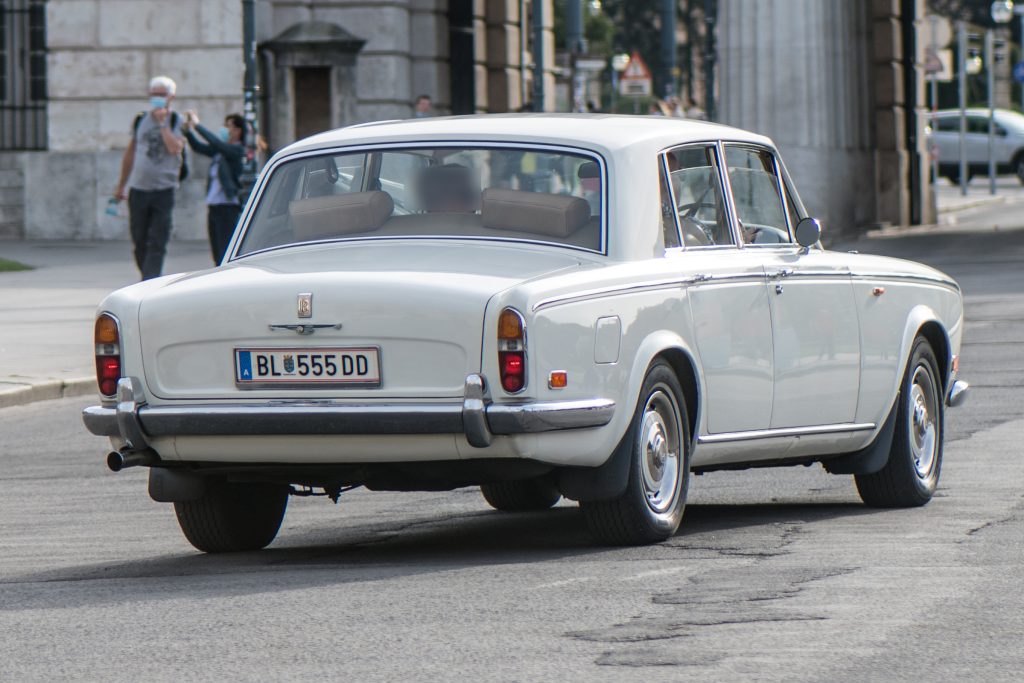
(149, 220)
(220, 225)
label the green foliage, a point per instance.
(9, 266)
(598, 29)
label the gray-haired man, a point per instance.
(150, 169)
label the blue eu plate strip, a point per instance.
(244, 365)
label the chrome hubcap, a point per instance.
(659, 443)
(923, 426)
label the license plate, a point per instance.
(352, 367)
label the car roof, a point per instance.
(590, 131)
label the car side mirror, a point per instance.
(808, 232)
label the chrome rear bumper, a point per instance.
(133, 420)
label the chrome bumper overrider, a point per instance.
(958, 391)
(133, 420)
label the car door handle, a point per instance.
(784, 272)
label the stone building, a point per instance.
(73, 74)
(839, 86)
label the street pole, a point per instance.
(668, 47)
(961, 69)
(935, 100)
(538, 55)
(523, 33)
(709, 59)
(990, 64)
(574, 38)
(248, 176)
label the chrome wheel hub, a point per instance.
(923, 426)
(659, 446)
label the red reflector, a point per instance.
(512, 367)
(108, 371)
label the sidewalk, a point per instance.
(949, 200)
(47, 314)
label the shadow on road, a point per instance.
(334, 556)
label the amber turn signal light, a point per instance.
(558, 379)
(106, 330)
(510, 325)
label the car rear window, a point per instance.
(531, 194)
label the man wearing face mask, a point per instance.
(227, 149)
(150, 171)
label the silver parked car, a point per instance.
(1008, 143)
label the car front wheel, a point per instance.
(232, 517)
(651, 507)
(911, 475)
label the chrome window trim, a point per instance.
(728, 437)
(714, 145)
(667, 178)
(268, 171)
(778, 187)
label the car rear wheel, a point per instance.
(524, 495)
(911, 475)
(233, 517)
(651, 507)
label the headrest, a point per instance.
(588, 169)
(555, 215)
(340, 214)
(451, 187)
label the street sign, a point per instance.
(1018, 72)
(938, 65)
(636, 78)
(935, 30)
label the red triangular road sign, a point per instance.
(636, 69)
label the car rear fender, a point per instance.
(609, 480)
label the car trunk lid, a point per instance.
(419, 311)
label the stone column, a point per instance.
(503, 56)
(798, 71)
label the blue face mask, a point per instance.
(224, 133)
(157, 101)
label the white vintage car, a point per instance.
(542, 305)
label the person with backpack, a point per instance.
(151, 169)
(227, 150)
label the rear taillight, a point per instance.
(512, 351)
(108, 354)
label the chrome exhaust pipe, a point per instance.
(118, 460)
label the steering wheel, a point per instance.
(690, 210)
(695, 233)
(764, 234)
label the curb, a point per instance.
(973, 204)
(46, 391)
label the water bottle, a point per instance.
(112, 206)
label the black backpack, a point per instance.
(183, 170)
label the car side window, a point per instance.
(697, 189)
(668, 214)
(946, 124)
(977, 124)
(756, 194)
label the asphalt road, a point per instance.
(776, 575)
